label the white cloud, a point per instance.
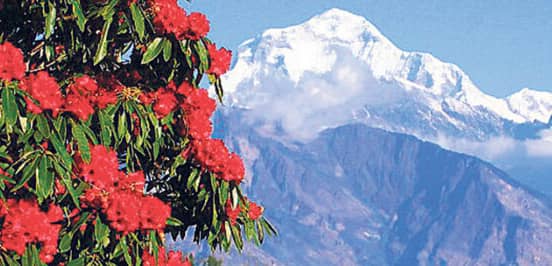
(541, 147)
(501, 148)
(317, 100)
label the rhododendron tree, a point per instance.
(105, 136)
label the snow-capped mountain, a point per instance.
(342, 193)
(337, 68)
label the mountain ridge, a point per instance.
(358, 195)
(315, 48)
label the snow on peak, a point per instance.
(531, 104)
(335, 67)
(341, 25)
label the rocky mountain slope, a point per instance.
(356, 195)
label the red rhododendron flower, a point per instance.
(84, 94)
(12, 65)
(198, 107)
(95, 198)
(198, 100)
(215, 157)
(198, 26)
(165, 102)
(120, 195)
(233, 169)
(146, 97)
(132, 181)
(232, 213)
(169, 17)
(83, 85)
(103, 169)
(255, 211)
(185, 89)
(199, 126)
(211, 153)
(25, 223)
(220, 60)
(174, 258)
(45, 90)
(123, 211)
(104, 98)
(153, 213)
(80, 106)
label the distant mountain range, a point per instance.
(356, 195)
(337, 68)
(311, 108)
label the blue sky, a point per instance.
(504, 45)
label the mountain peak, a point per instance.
(337, 67)
(344, 25)
(532, 104)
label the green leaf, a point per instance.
(121, 127)
(138, 20)
(61, 150)
(82, 141)
(236, 235)
(11, 261)
(79, 14)
(260, 232)
(249, 230)
(203, 56)
(65, 243)
(43, 126)
(269, 228)
(219, 90)
(50, 21)
(9, 106)
(174, 222)
(76, 262)
(29, 170)
(153, 50)
(126, 254)
(184, 46)
(108, 10)
(101, 51)
(192, 179)
(101, 233)
(45, 178)
(68, 183)
(167, 50)
(105, 123)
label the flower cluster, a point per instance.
(25, 223)
(44, 89)
(255, 211)
(220, 60)
(252, 210)
(84, 94)
(165, 102)
(198, 107)
(12, 65)
(120, 196)
(172, 19)
(172, 259)
(213, 156)
(128, 212)
(103, 169)
(232, 213)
